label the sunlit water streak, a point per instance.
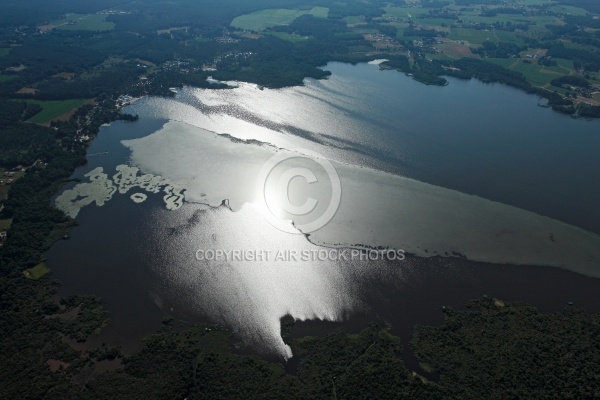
(377, 209)
(251, 296)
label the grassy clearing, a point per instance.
(441, 57)
(261, 20)
(541, 20)
(5, 224)
(405, 12)
(354, 19)
(568, 10)
(5, 78)
(4, 51)
(476, 36)
(566, 64)
(538, 75)
(426, 367)
(290, 37)
(472, 36)
(418, 14)
(538, 2)
(4, 189)
(61, 231)
(53, 109)
(577, 46)
(441, 22)
(37, 272)
(503, 62)
(67, 18)
(78, 22)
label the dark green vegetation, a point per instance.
(493, 350)
(500, 351)
(122, 47)
(279, 43)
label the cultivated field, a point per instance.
(53, 109)
(261, 20)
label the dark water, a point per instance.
(100, 257)
(488, 140)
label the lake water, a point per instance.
(467, 169)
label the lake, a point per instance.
(468, 169)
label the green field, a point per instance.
(79, 22)
(53, 109)
(570, 45)
(537, 75)
(538, 2)
(290, 37)
(261, 20)
(4, 78)
(405, 12)
(541, 20)
(473, 36)
(477, 36)
(443, 22)
(354, 19)
(440, 56)
(568, 10)
(4, 51)
(5, 224)
(37, 272)
(504, 62)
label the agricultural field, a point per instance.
(464, 30)
(537, 75)
(538, 2)
(261, 20)
(53, 109)
(81, 22)
(4, 51)
(568, 10)
(541, 20)
(405, 12)
(354, 19)
(290, 37)
(477, 36)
